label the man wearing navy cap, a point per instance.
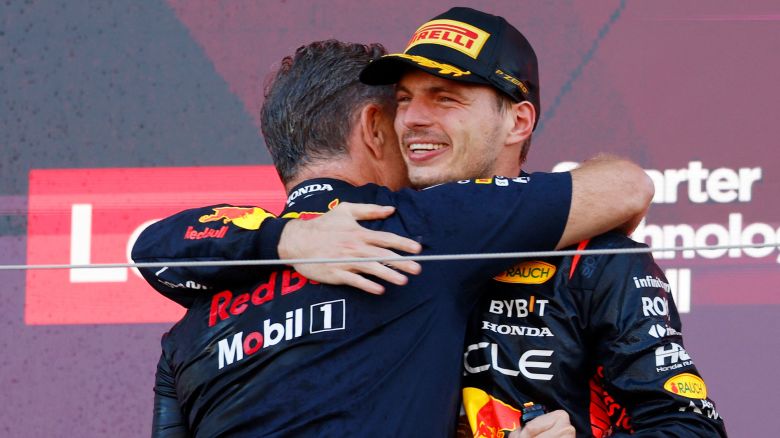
(483, 53)
(596, 336)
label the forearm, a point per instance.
(192, 236)
(607, 193)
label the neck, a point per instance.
(510, 171)
(508, 161)
(337, 169)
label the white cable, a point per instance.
(443, 257)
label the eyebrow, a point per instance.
(431, 90)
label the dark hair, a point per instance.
(313, 100)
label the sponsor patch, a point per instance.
(206, 233)
(671, 357)
(706, 409)
(509, 78)
(687, 385)
(519, 307)
(516, 330)
(658, 331)
(653, 282)
(485, 356)
(308, 190)
(248, 218)
(308, 215)
(533, 272)
(444, 69)
(456, 35)
(489, 416)
(655, 306)
(322, 317)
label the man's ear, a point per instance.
(371, 133)
(523, 116)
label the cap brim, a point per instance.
(389, 69)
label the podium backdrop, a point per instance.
(114, 114)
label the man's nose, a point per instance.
(416, 113)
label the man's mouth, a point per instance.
(421, 153)
(422, 148)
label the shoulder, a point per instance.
(613, 239)
(588, 269)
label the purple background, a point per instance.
(154, 83)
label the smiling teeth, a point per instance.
(425, 146)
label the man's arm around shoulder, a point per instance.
(607, 193)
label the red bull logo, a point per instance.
(249, 218)
(206, 233)
(308, 215)
(488, 416)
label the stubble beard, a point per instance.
(422, 177)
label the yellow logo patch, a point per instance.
(308, 215)
(517, 82)
(489, 416)
(687, 385)
(444, 69)
(534, 272)
(249, 218)
(457, 35)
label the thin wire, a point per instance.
(418, 258)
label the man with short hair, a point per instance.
(596, 336)
(267, 352)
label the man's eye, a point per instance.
(401, 99)
(445, 99)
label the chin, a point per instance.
(422, 180)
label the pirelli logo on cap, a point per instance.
(534, 272)
(456, 35)
(687, 385)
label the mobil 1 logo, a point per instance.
(327, 316)
(323, 317)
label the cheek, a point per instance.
(489, 132)
(398, 124)
(459, 130)
(468, 135)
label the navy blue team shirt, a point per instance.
(263, 351)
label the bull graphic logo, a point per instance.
(308, 215)
(249, 218)
(488, 416)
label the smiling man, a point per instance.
(266, 352)
(449, 125)
(596, 336)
